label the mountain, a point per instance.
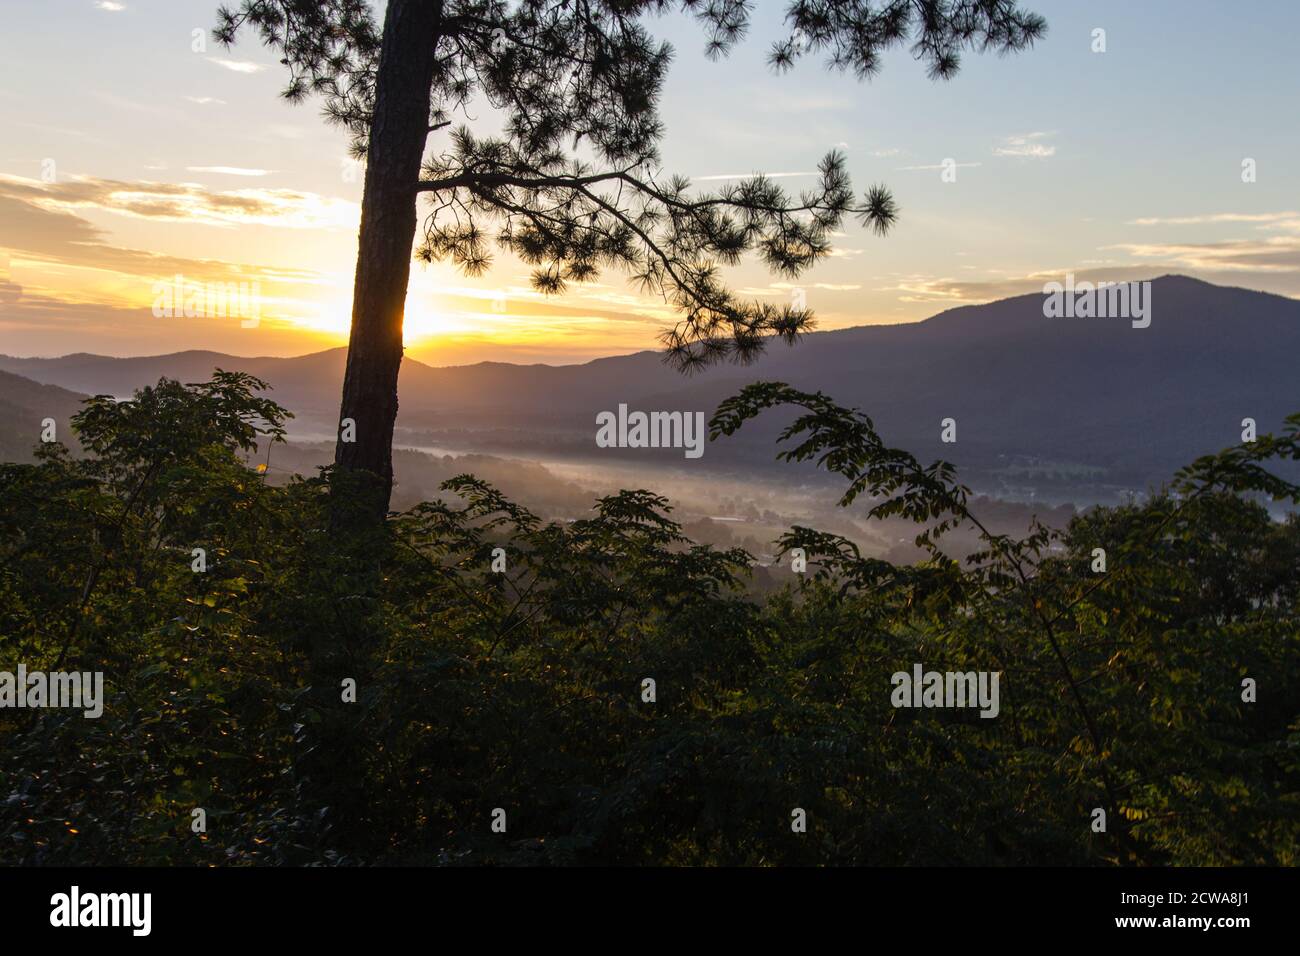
(1038, 401)
(24, 406)
(301, 382)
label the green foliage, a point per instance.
(523, 689)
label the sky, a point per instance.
(133, 152)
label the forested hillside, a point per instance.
(24, 407)
(604, 691)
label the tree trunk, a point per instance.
(335, 746)
(398, 130)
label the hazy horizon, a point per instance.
(432, 361)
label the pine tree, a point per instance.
(573, 184)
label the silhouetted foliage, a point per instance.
(522, 689)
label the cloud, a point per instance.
(946, 291)
(68, 280)
(1282, 277)
(52, 234)
(110, 6)
(1279, 254)
(205, 100)
(238, 66)
(1281, 220)
(229, 170)
(188, 202)
(1272, 256)
(1026, 146)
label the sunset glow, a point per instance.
(214, 178)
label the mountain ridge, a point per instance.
(1036, 392)
(341, 350)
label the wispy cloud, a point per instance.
(944, 290)
(229, 170)
(205, 100)
(188, 202)
(1026, 146)
(50, 240)
(238, 66)
(1277, 254)
(1265, 219)
(110, 6)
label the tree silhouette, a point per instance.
(573, 185)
